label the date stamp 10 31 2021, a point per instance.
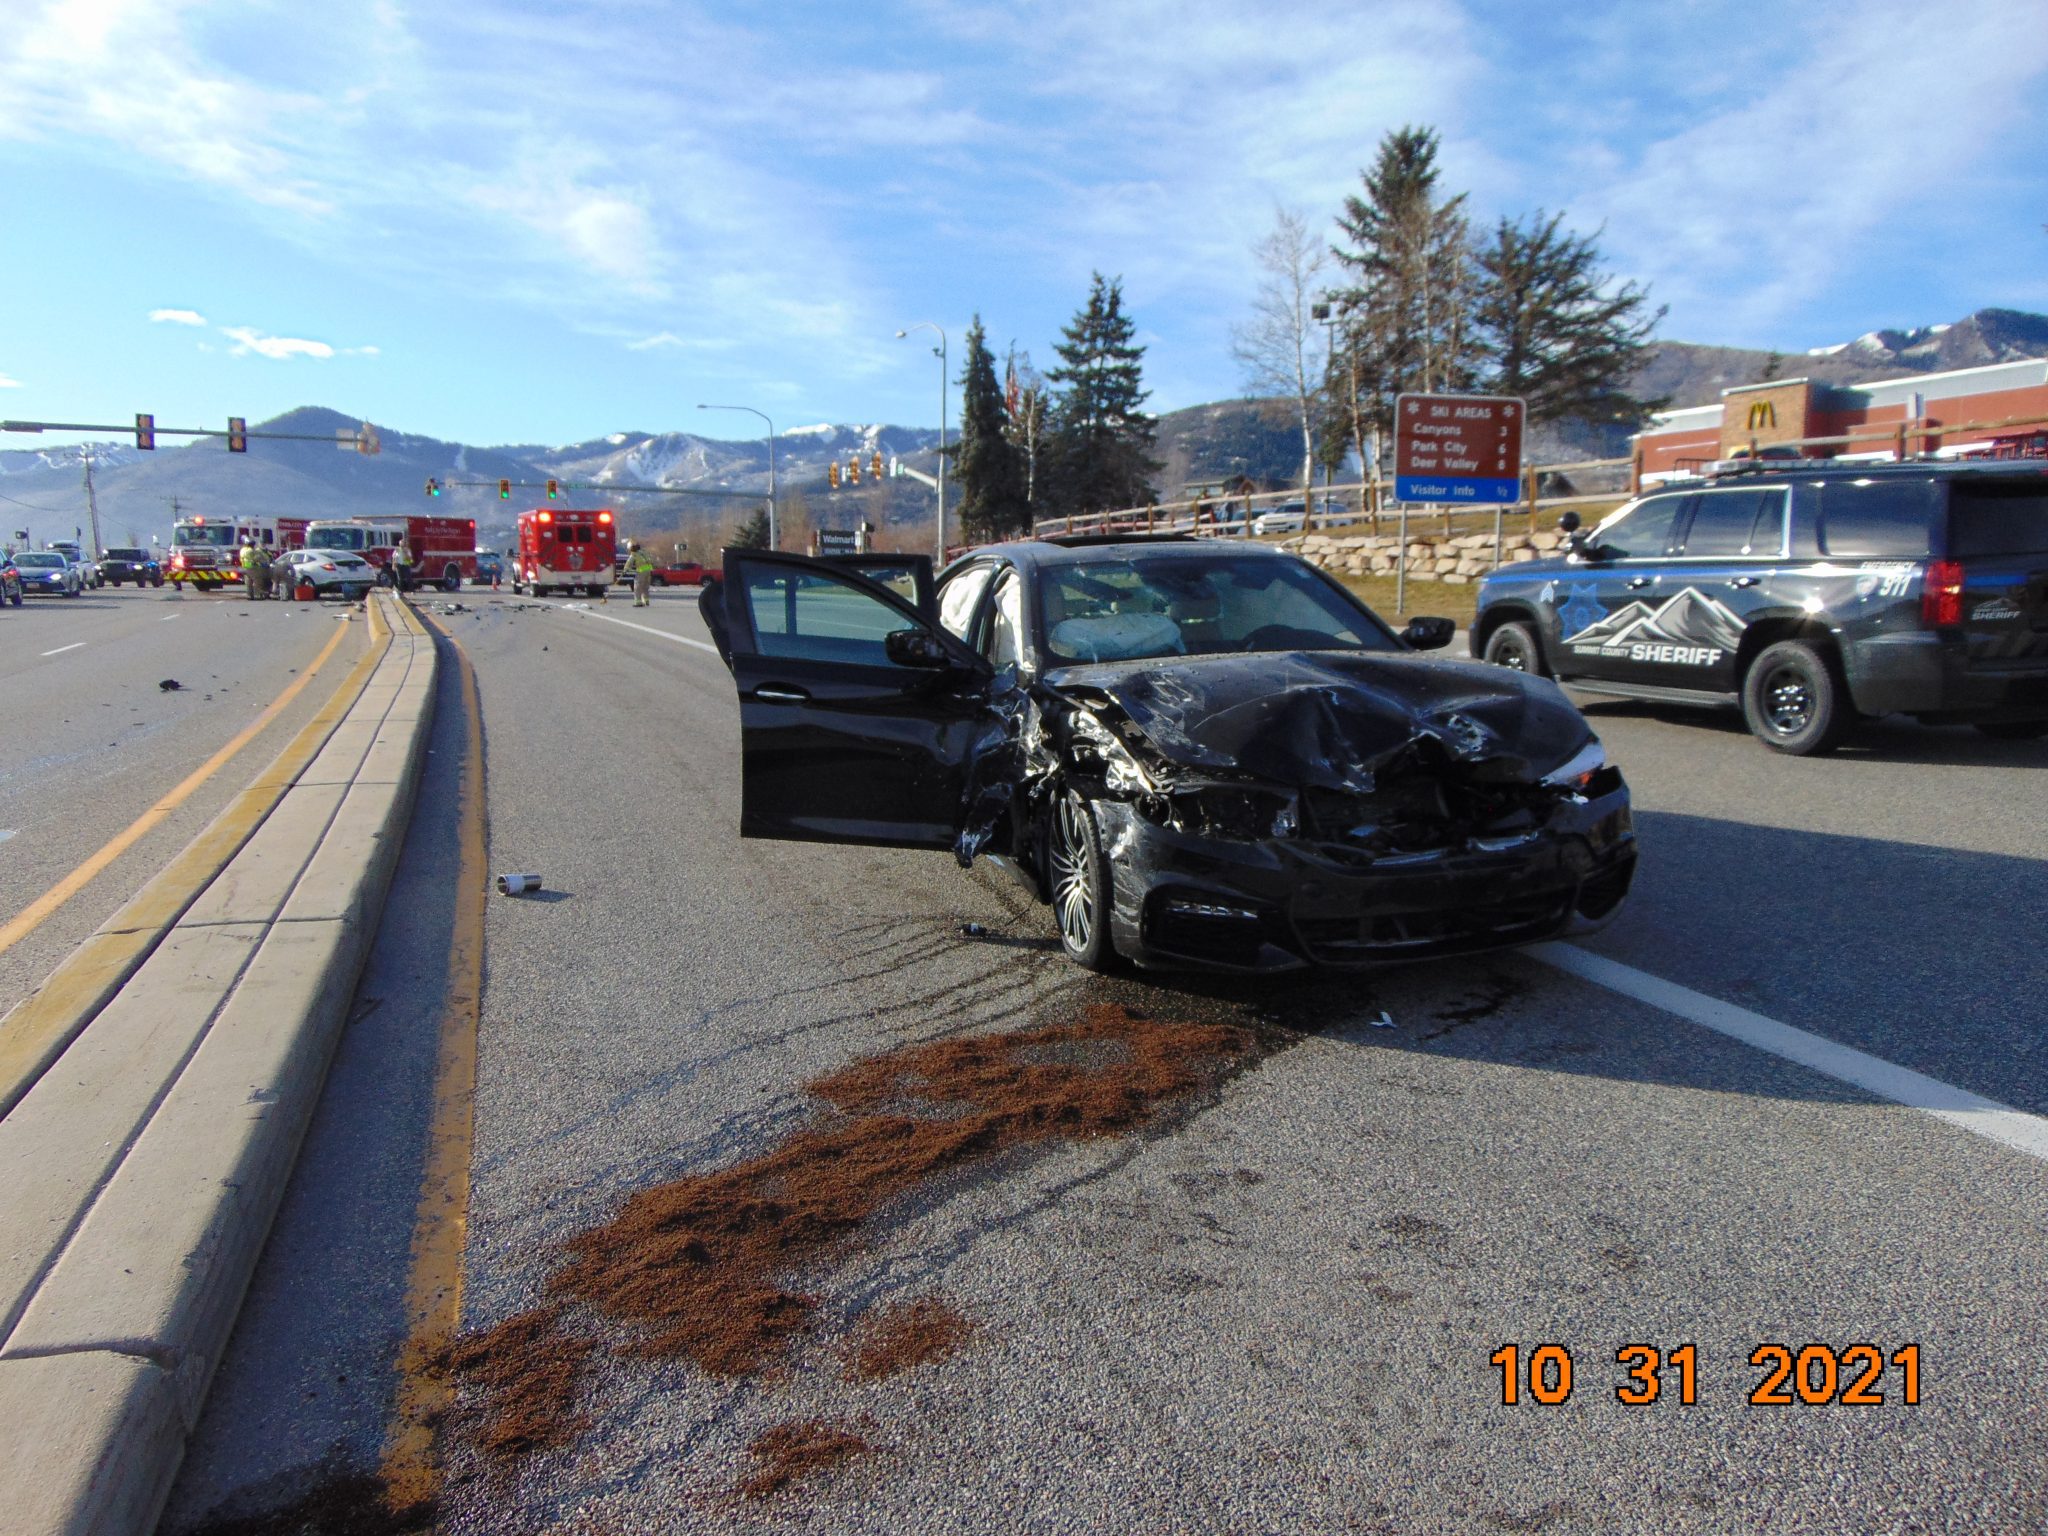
(1856, 1376)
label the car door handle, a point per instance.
(1636, 582)
(781, 693)
(1745, 581)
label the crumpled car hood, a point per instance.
(1330, 720)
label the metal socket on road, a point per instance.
(517, 885)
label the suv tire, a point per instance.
(1794, 701)
(1514, 645)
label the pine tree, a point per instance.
(753, 530)
(992, 504)
(1406, 314)
(1101, 437)
(1554, 329)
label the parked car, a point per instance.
(1199, 755)
(328, 571)
(490, 567)
(1288, 517)
(10, 583)
(131, 564)
(88, 568)
(1808, 596)
(46, 573)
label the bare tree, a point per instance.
(1280, 347)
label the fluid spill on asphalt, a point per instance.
(703, 1268)
(343, 1504)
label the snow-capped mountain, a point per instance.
(1689, 618)
(1988, 336)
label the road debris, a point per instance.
(517, 885)
(170, 685)
(973, 931)
(1384, 1021)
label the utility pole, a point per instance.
(92, 504)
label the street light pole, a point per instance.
(944, 369)
(774, 532)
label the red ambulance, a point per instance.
(443, 548)
(564, 551)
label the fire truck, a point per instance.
(206, 552)
(564, 551)
(443, 548)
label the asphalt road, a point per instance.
(89, 741)
(1274, 1311)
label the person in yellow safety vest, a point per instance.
(641, 564)
(248, 561)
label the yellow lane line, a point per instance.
(411, 1463)
(38, 1029)
(31, 917)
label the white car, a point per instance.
(1285, 518)
(327, 570)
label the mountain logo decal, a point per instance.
(1689, 629)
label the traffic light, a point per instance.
(554, 489)
(433, 486)
(238, 434)
(504, 490)
(853, 470)
(832, 474)
(875, 465)
(145, 431)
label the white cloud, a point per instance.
(651, 343)
(177, 316)
(361, 352)
(7, 383)
(247, 340)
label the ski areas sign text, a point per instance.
(1458, 448)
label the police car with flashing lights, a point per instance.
(1809, 596)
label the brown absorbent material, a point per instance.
(791, 1450)
(905, 1337)
(695, 1268)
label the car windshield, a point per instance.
(218, 535)
(1129, 607)
(126, 554)
(40, 562)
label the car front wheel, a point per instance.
(1516, 647)
(1080, 884)
(1793, 701)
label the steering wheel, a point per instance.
(1284, 637)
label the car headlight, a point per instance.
(1243, 812)
(1586, 772)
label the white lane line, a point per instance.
(6, 833)
(1966, 1111)
(645, 629)
(169, 617)
(74, 645)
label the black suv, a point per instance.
(1808, 596)
(119, 565)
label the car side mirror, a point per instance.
(1568, 522)
(1429, 634)
(916, 648)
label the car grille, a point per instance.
(1390, 935)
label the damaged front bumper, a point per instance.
(1275, 904)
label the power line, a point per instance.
(35, 507)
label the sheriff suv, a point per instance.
(1809, 597)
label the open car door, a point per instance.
(857, 712)
(908, 576)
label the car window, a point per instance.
(1876, 519)
(817, 615)
(1746, 522)
(1005, 646)
(1129, 607)
(1640, 532)
(2009, 519)
(959, 596)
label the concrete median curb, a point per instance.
(145, 1165)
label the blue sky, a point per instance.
(506, 223)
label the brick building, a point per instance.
(2000, 410)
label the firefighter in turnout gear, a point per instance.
(641, 564)
(248, 564)
(262, 573)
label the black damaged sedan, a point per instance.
(1199, 753)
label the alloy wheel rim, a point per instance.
(1073, 900)
(1788, 701)
(1512, 657)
